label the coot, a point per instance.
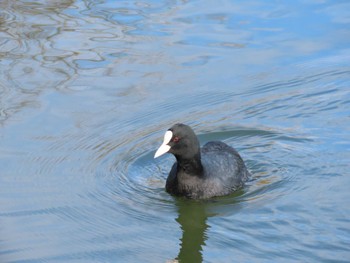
(216, 169)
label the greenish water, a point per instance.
(87, 89)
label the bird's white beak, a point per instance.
(164, 148)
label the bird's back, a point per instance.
(224, 167)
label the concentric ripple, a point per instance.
(126, 173)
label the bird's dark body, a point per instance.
(223, 172)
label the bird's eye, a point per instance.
(176, 139)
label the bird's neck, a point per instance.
(192, 166)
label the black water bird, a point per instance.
(216, 169)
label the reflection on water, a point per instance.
(192, 219)
(87, 89)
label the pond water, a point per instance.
(89, 87)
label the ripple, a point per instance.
(119, 173)
(136, 181)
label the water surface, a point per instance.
(88, 88)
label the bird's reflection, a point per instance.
(193, 221)
(193, 217)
